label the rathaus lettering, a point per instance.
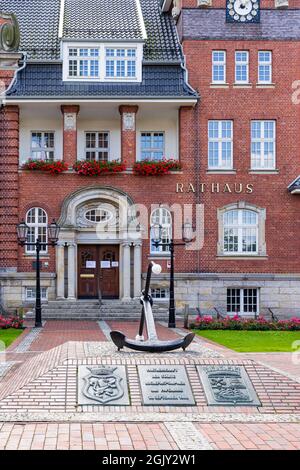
(235, 188)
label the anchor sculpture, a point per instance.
(152, 344)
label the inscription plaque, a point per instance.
(165, 385)
(227, 385)
(104, 385)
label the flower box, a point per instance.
(156, 168)
(93, 168)
(53, 167)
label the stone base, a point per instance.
(280, 293)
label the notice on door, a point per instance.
(115, 264)
(105, 264)
(90, 264)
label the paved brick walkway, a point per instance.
(59, 332)
(86, 436)
(38, 398)
(269, 436)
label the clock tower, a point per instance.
(243, 11)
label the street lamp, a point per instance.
(53, 234)
(157, 236)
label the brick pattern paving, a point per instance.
(286, 363)
(85, 436)
(245, 436)
(59, 332)
(44, 382)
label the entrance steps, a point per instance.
(90, 310)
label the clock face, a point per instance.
(243, 11)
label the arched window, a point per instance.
(37, 221)
(240, 231)
(163, 217)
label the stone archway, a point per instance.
(77, 230)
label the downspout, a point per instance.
(15, 78)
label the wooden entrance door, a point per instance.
(98, 268)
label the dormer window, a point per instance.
(102, 62)
(120, 63)
(84, 62)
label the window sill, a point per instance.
(265, 85)
(242, 257)
(220, 171)
(219, 85)
(159, 256)
(242, 85)
(33, 256)
(264, 172)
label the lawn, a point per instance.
(9, 335)
(253, 341)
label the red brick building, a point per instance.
(248, 153)
(110, 82)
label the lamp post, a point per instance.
(187, 236)
(53, 233)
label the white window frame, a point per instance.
(155, 290)
(102, 47)
(243, 63)
(125, 59)
(44, 294)
(30, 249)
(262, 140)
(219, 141)
(242, 294)
(89, 58)
(218, 63)
(167, 227)
(43, 148)
(241, 229)
(151, 149)
(97, 150)
(265, 64)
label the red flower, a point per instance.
(156, 168)
(93, 168)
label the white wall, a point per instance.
(33, 122)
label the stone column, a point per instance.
(71, 271)
(60, 271)
(126, 271)
(128, 134)
(137, 269)
(70, 133)
(9, 187)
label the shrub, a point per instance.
(11, 322)
(93, 168)
(251, 324)
(155, 168)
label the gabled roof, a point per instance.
(39, 23)
(102, 19)
(118, 19)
